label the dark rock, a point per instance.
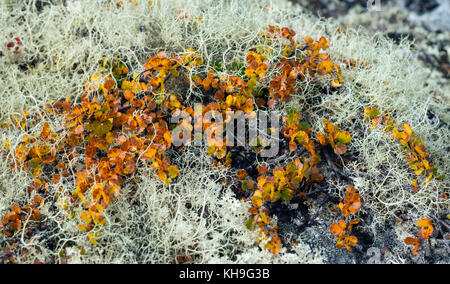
(421, 6)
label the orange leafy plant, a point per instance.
(12, 221)
(342, 229)
(111, 133)
(413, 145)
(283, 184)
(121, 121)
(299, 132)
(424, 233)
(338, 139)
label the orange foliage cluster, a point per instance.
(121, 119)
(299, 62)
(110, 130)
(284, 184)
(237, 93)
(337, 138)
(425, 231)
(417, 159)
(413, 145)
(299, 132)
(12, 221)
(342, 229)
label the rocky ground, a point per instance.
(423, 22)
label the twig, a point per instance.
(140, 74)
(446, 225)
(445, 241)
(327, 197)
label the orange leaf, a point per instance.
(219, 95)
(308, 40)
(16, 209)
(351, 240)
(130, 167)
(262, 170)
(206, 84)
(129, 96)
(38, 201)
(322, 139)
(84, 227)
(35, 215)
(55, 178)
(45, 131)
(113, 153)
(15, 225)
(411, 241)
(336, 230)
(424, 223)
(241, 174)
(149, 154)
(109, 83)
(292, 146)
(121, 139)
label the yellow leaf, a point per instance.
(336, 84)
(92, 238)
(264, 217)
(95, 77)
(257, 198)
(126, 85)
(163, 176)
(85, 216)
(173, 171)
(168, 137)
(343, 137)
(229, 100)
(407, 129)
(7, 144)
